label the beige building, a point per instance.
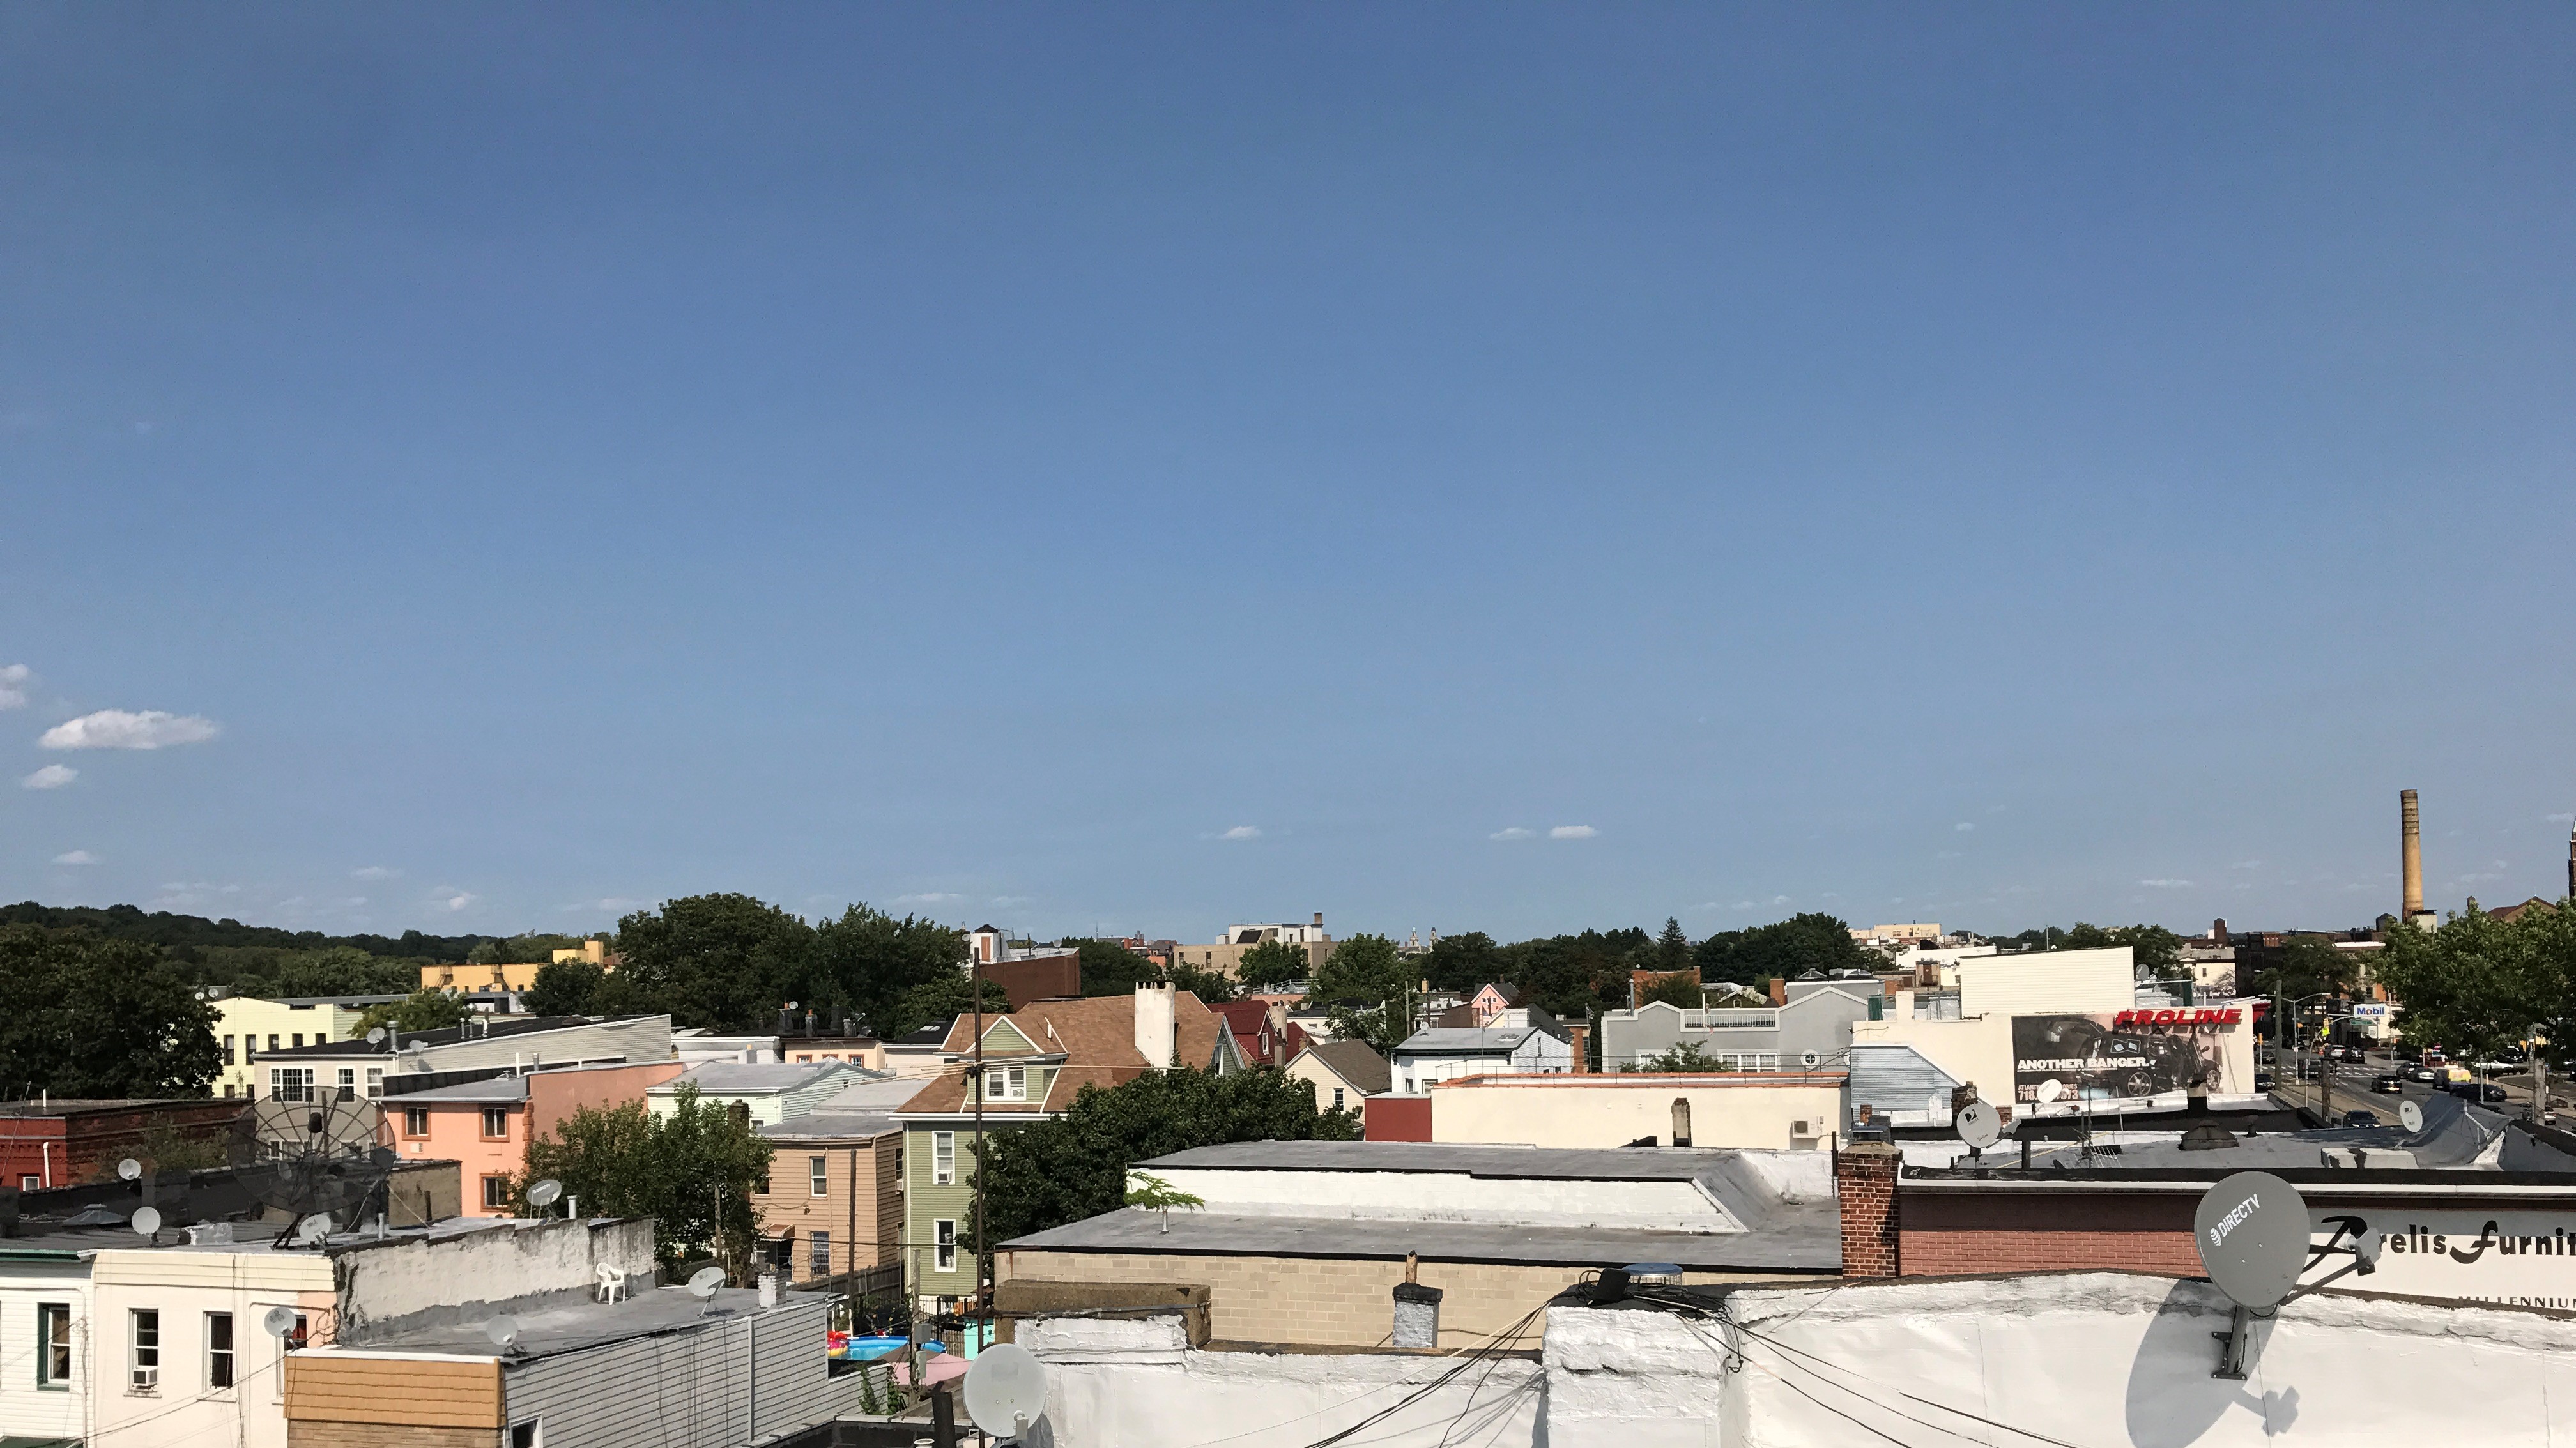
(1776, 1110)
(1344, 1073)
(518, 975)
(1225, 955)
(833, 1201)
(246, 1026)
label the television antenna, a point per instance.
(504, 1332)
(703, 1284)
(303, 1159)
(2252, 1233)
(2410, 1116)
(1978, 1125)
(147, 1221)
(1006, 1390)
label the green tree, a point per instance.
(1570, 976)
(2478, 982)
(425, 1010)
(723, 962)
(85, 1017)
(529, 949)
(2307, 965)
(1048, 1173)
(936, 1001)
(1109, 968)
(1672, 947)
(1687, 1056)
(1365, 968)
(1461, 962)
(1681, 989)
(338, 970)
(1211, 987)
(564, 988)
(870, 964)
(692, 1171)
(1785, 949)
(1276, 962)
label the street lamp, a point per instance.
(2325, 1072)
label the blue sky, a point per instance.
(1499, 467)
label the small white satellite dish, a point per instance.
(278, 1322)
(2252, 1232)
(1006, 1390)
(147, 1220)
(544, 1194)
(130, 1169)
(1811, 1059)
(2410, 1116)
(1978, 1125)
(504, 1331)
(2051, 1089)
(1936, 1103)
(376, 1036)
(418, 1048)
(312, 1229)
(706, 1280)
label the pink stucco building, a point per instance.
(487, 1125)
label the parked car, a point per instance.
(2485, 1093)
(2391, 1084)
(2427, 1075)
(2361, 1118)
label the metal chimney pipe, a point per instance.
(2411, 848)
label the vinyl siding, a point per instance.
(725, 1384)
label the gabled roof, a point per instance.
(1356, 1062)
(1467, 1041)
(1096, 1038)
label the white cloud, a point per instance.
(117, 729)
(1572, 832)
(2166, 884)
(373, 872)
(52, 776)
(1779, 899)
(76, 857)
(13, 681)
(1963, 827)
(459, 900)
(2560, 819)
(1514, 832)
(1994, 809)
(1242, 832)
(929, 897)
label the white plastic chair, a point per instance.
(612, 1283)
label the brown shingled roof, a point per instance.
(1097, 1036)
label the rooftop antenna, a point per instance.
(2410, 1116)
(2252, 1232)
(147, 1222)
(1979, 1126)
(504, 1332)
(703, 1284)
(1006, 1390)
(544, 1194)
(313, 1230)
(279, 1323)
(130, 1170)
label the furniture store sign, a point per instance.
(2519, 1259)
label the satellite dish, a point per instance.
(1811, 1059)
(1005, 1390)
(2051, 1089)
(2252, 1232)
(147, 1220)
(503, 1331)
(130, 1169)
(706, 1280)
(1978, 1125)
(545, 1193)
(312, 1229)
(376, 1036)
(2410, 1116)
(278, 1322)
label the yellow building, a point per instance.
(247, 1025)
(520, 975)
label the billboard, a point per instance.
(2128, 1054)
(2526, 1259)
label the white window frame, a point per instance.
(290, 1083)
(1006, 1083)
(943, 1244)
(1337, 1098)
(143, 1349)
(348, 1082)
(819, 1254)
(54, 1320)
(943, 1158)
(228, 1355)
(818, 1176)
(375, 1083)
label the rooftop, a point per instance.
(736, 1078)
(479, 1029)
(833, 1126)
(1523, 1163)
(1466, 1040)
(1356, 1062)
(575, 1327)
(1811, 1243)
(69, 1107)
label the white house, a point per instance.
(1445, 1053)
(47, 1332)
(771, 1094)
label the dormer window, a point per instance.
(1006, 1083)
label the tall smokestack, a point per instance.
(2411, 846)
(2571, 864)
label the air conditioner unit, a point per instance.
(1811, 1059)
(1802, 1128)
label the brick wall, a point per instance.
(1950, 1233)
(1865, 1184)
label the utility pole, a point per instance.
(983, 1254)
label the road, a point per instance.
(2352, 1090)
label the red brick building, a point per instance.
(64, 1143)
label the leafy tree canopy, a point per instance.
(1364, 968)
(1672, 947)
(564, 988)
(1048, 1173)
(85, 1017)
(937, 1000)
(1687, 1056)
(528, 949)
(872, 965)
(427, 1010)
(624, 1161)
(2306, 965)
(1785, 949)
(2478, 983)
(1570, 976)
(1461, 962)
(1681, 988)
(1109, 968)
(722, 962)
(1274, 962)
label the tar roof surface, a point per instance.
(833, 1126)
(1536, 1163)
(580, 1325)
(1806, 1241)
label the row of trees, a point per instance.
(2480, 982)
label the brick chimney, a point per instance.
(1865, 1187)
(1581, 1036)
(1156, 1026)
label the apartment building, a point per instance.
(486, 1125)
(360, 1070)
(245, 1026)
(766, 1095)
(49, 1143)
(1225, 955)
(832, 1205)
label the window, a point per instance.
(228, 1090)
(272, 1041)
(817, 1176)
(1337, 1098)
(290, 1083)
(30, 1182)
(496, 1123)
(496, 1192)
(943, 1245)
(805, 1060)
(943, 1158)
(375, 1083)
(1006, 1083)
(53, 1345)
(525, 1435)
(219, 1349)
(822, 1263)
(299, 1040)
(348, 1082)
(228, 1050)
(143, 1355)
(415, 1121)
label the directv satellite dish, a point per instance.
(147, 1220)
(130, 1169)
(1811, 1059)
(278, 1322)
(1978, 1125)
(2410, 1116)
(1005, 1390)
(504, 1331)
(545, 1193)
(2252, 1232)
(2051, 1089)
(312, 1229)
(376, 1036)
(706, 1280)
